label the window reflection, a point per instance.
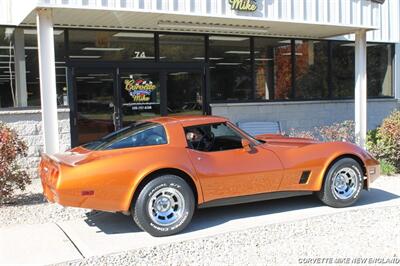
(379, 70)
(343, 68)
(273, 68)
(111, 45)
(7, 81)
(181, 48)
(230, 68)
(311, 69)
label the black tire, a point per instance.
(159, 190)
(330, 195)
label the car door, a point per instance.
(232, 171)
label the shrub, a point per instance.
(11, 176)
(343, 131)
(387, 168)
(384, 143)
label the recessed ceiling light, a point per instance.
(353, 45)
(85, 77)
(211, 58)
(143, 57)
(14, 72)
(263, 59)
(85, 56)
(228, 64)
(99, 75)
(227, 38)
(134, 35)
(104, 49)
(178, 73)
(240, 52)
(31, 48)
(34, 32)
(297, 54)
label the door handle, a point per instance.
(115, 117)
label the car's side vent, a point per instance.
(304, 177)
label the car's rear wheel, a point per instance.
(342, 184)
(164, 206)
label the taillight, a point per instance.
(54, 175)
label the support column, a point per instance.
(360, 94)
(396, 85)
(47, 70)
(21, 94)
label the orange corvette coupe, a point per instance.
(162, 169)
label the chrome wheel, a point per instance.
(166, 206)
(344, 184)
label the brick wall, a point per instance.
(28, 125)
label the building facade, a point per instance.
(74, 70)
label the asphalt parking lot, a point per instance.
(101, 234)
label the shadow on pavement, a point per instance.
(116, 223)
(26, 199)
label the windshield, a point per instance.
(135, 135)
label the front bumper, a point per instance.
(373, 172)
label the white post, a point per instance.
(21, 94)
(360, 94)
(47, 70)
(397, 72)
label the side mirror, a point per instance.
(246, 145)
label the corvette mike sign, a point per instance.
(243, 5)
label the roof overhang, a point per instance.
(116, 19)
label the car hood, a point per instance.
(285, 141)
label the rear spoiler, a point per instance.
(71, 159)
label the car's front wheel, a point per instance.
(343, 184)
(164, 206)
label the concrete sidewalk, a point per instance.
(107, 233)
(36, 244)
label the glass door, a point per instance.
(140, 95)
(185, 93)
(96, 109)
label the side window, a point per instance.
(142, 134)
(151, 136)
(213, 137)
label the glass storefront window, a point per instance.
(273, 68)
(379, 70)
(111, 45)
(343, 69)
(7, 81)
(230, 68)
(181, 48)
(32, 67)
(184, 92)
(311, 69)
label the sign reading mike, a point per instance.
(243, 5)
